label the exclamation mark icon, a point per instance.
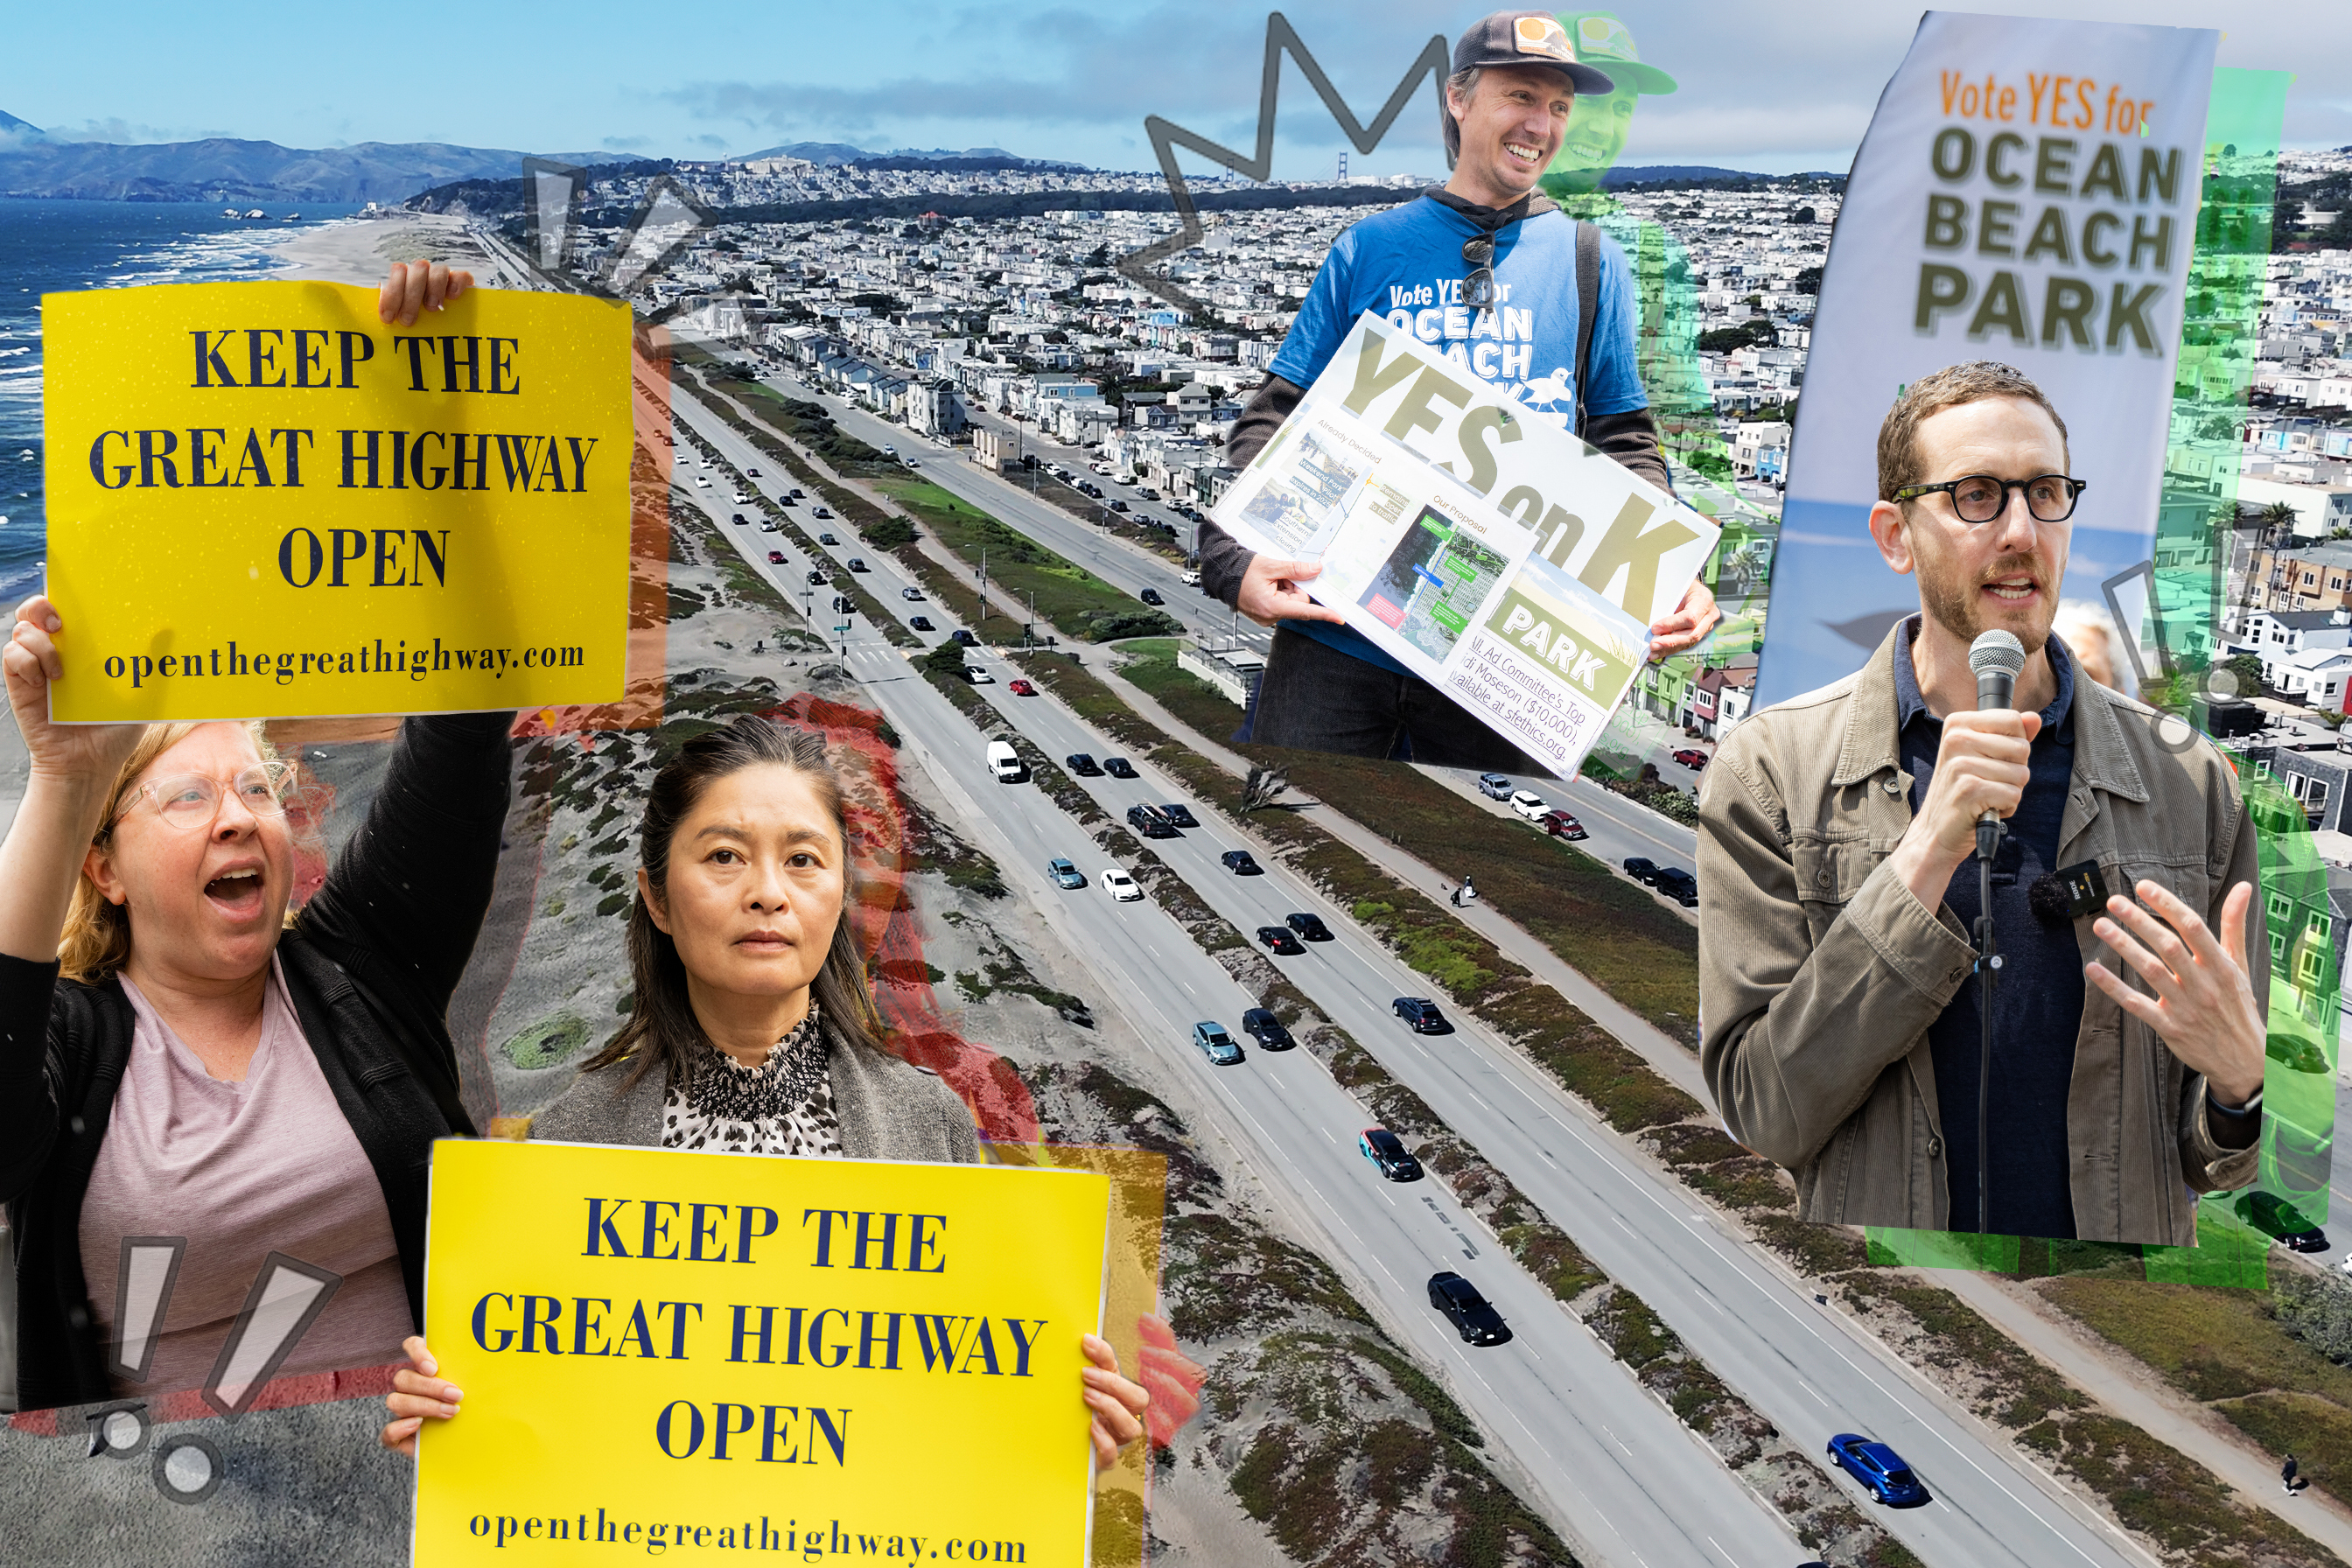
(664, 223)
(142, 1292)
(287, 1298)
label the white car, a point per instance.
(1529, 805)
(742, 500)
(1192, 579)
(700, 483)
(1120, 886)
(978, 676)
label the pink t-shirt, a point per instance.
(240, 1171)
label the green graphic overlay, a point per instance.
(1556, 638)
(2177, 628)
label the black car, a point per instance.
(1422, 1014)
(1151, 596)
(855, 564)
(1310, 928)
(1260, 1024)
(1085, 766)
(1241, 864)
(1469, 1311)
(1182, 816)
(817, 579)
(1278, 940)
(753, 473)
(1119, 767)
(1678, 885)
(963, 638)
(1388, 1154)
(1147, 820)
(826, 539)
(1642, 869)
(2281, 1221)
(739, 517)
(921, 624)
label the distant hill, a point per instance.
(223, 170)
(1620, 178)
(12, 126)
(835, 153)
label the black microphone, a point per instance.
(1998, 659)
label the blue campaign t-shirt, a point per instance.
(1406, 265)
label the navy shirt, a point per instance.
(2037, 999)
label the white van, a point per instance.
(1005, 763)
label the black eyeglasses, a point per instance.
(1978, 499)
(1478, 289)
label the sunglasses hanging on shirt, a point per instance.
(1478, 287)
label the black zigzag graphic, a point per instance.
(1167, 136)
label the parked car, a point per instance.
(1526, 803)
(1151, 596)
(1879, 1468)
(1179, 813)
(1119, 767)
(2281, 1221)
(922, 624)
(1064, 875)
(1641, 869)
(1560, 825)
(855, 564)
(1496, 786)
(1022, 689)
(1468, 1311)
(978, 676)
(1260, 1024)
(1388, 1154)
(1691, 757)
(1310, 928)
(826, 539)
(1422, 1013)
(912, 595)
(1147, 820)
(1278, 940)
(1216, 1044)
(775, 558)
(1085, 766)
(1241, 863)
(1120, 886)
(1678, 885)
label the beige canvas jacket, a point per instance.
(1819, 972)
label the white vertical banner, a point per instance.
(2027, 193)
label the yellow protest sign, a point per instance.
(715, 1354)
(263, 502)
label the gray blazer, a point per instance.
(888, 1109)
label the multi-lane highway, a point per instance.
(1805, 1367)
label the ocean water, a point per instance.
(48, 247)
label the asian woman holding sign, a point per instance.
(754, 1030)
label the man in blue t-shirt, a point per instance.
(1513, 322)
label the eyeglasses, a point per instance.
(1981, 497)
(188, 801)
(1478, 289)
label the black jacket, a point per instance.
(370, 966)
(1631, 438)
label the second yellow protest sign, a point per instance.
(711, 1354)
(265, 502)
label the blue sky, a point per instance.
(1776, 87)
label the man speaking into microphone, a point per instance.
(1839, 890)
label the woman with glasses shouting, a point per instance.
(189, 1082)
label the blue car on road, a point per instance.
(1879, 1468)
(1216, 1044)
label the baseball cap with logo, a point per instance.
(1520, 38)
(1599, 37)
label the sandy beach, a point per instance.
(359, 250)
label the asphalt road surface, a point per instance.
(1806, 1368)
